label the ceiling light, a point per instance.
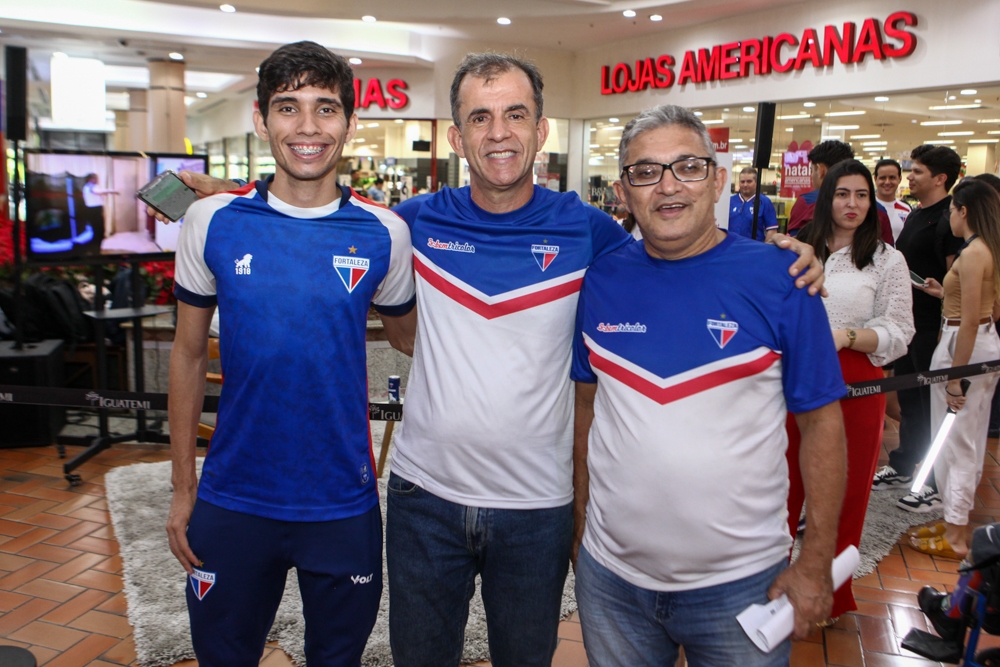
(697, 113)
(989, 120)
(845, 113)
(369, 19)
(256, 69)
(612, 120)
(749, 109)
(593, 129)
(655, 17)
(881, 98)
(968, 91)
(175, 56)
(372, 125)
(955, 134)
(354, 61)
(372, 145)
(943, 107)
(875, 150)
(201, 95)
(789, 129)
(978, 101)
(229, 9)
(595, 145)
(835, 128)
(941, 122)
(398, 121)
(614, 128)
(808, 104)
(503, 20)
(866, 136)
(833, 138)
(874, 143)
(983, 141)
(951, 97)
(993, 132)
(940, 141)
(712, 122)
(801, 114)
(359, 140)
(628, 13)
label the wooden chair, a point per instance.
(207, 430)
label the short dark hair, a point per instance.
(749, 170)
(489, 66)
(830, 152)
(939, 160)
(301, 64)
(888, 162)
(378, 181)
(868, 235)
(990, 180)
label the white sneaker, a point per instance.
(921, 502)
(888, 478)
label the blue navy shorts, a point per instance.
(233, 596)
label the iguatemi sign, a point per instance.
(756, 57)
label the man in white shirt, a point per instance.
(888, 174)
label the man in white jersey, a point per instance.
(481, 477)
(683, 390)
(888, 175)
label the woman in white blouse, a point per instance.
(871, 314)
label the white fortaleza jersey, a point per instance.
(489, 403)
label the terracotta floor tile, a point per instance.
(884, 660)
(280, 659)
(122, 653)
(569, 654)
(904, 585)
(14, 500)
(843, 648)
(91, 489)
(9, 562)
(946, 564)
(915, 559)
(104, 532)
(104, 624)
(54, 521)
(29, 510)
(95, 545)
(101, 504)
(19, 455)
(893, 566)
(116, 604)
(30, 538)
(25, 574)
(102, 663)
(13, 528)
(49, 590)
(78, 531)
(10, 600)
(870, 580)
(877, 634)
(50, 553)
(46, 493)
(112, 583)
(48, 635)
(927, 576)
(72, 505)
(90, 514)
(30, 483)
(570, 631)
(83, 652)
(24, 614)
(42, 654)
(905, 618)
(75, 607)
(875, 609)
(847, 622)
(806, 654)
(81, 563)
(891, 597)
(113, 565)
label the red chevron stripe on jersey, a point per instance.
(601, 360)
(502, 304)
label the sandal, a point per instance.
(927, 531)
(935, 545)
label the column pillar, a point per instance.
(982, 159)
(138, 120)
(167, 115)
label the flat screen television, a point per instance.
(82, 206)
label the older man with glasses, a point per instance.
(682, 391)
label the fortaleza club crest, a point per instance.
(202, 582)
(544, 254)
(351, 270)
(722, 331)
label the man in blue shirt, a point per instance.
(741, 209)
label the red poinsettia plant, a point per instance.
(159, 278)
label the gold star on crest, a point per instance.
(352, 250)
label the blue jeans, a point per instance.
(435, 549)
(627, 625)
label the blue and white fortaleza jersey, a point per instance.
(489, 403)
(293, 288)
(697, 363)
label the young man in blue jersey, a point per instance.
(293, 264)
(682, 394)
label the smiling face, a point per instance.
(499, 136)
(307, 130)
(851, 201)
(887, 181)
(748, 185)
(677, 218)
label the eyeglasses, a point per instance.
(685, 170)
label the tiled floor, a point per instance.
(61, 587)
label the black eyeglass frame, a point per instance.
(670, 166)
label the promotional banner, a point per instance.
(724, 159)
(795, 176)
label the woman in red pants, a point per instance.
(870, 310)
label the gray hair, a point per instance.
(749, 170)
(489, 66)
(656, 117)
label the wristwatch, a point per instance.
(852, 336)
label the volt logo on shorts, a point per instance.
(351, 270)
(202, 582)
(722, 331)
(544, 254)
(358, 579)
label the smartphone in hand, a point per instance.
(917, 280)
(168, 195)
